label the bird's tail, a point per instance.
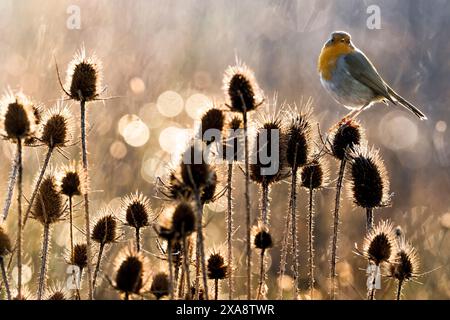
(407, 105)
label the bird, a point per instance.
(352, 80)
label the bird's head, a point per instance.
(339, 39)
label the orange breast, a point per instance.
(328, 58)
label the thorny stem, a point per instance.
(373, 289)
(216, 289)
(201, 245)
(97, 266)
(369, 221)
(294, 223)
(230, 229)
(186, 265)
(38, 183)
(399, 290)
(283, 258)
(169, 257)
(138, 239)
(19, 217)
(86, 197)
(335, 230)
(311, 242)
(5, 278)
(265, 203)
(44, 255)
(261, 275)
(181, 284)
(71, 226)
(11, 184)
(247, 211)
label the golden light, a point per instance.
(170, 104)
(441, 126)
(125, 120)
(153, 168)
(150, 115)
(118, 149)
(398, 131)
(136, 133)
(137, 85)
(173, 139)
(197, 104)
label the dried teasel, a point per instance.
(48, 207)
(132, 273)
(217, 269)
(233, 144)
(262, 239)
(84, 77)
(195, 172)
(368, 176)
(315, 175)
(136, 210)
(17, 116)
(5, 243)
(57, 126)
(160, 285)
(405, 263)
(105, 228)
(345, 134)
(72, 180)
(379, 244)
(213, 119)
(79, 257)
(241, 88)
(183, 220)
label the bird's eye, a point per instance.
(342, 40)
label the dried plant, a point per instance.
(137, 213)
(5, 249)
(217, 270)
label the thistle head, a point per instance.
(379, 244)
(217, 269)
(240, 87)
(131, 272)
(72, 180)
(369, 181)
(57, 126)
(48, 207)
(405, 263)
(160, 285)
(346, 134)
(79, 257)
(213, 119)
(136, 210)
(262, 239)
(315, 175)
(105, 228)
(5, 243)
(84, 77)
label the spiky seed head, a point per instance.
(369, 181)
(57, 295)
(131, 272)
(84, 77)
(175, 189)
(405, 264)
(235, 123)
(299, 136)
(105, 228)
(234, 141)
(345, 134)
(183, 220)
(196, 173)
(48, 206)
(17, 116)
(137, 211)
(379, 244)
(209, 190)
(57, 126)
(79, 257)
(160, 285)
(262, 239)
(5, 243)
(72, 180)
(213, 119)
(241, 89)
(37, 112)
(315, 175)
(217, 269)
(264, 138)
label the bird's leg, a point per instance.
(355, 113)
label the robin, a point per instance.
(352, 80)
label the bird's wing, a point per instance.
(363, 70)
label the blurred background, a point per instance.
(165, 59)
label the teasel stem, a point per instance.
(86, 197)
(11, 184)
(200, 244)
(247, 209)
(186, 264)
(19, 217)
(261, 275)
(216, 289)
(169, 257)
(294, 223)
(97, 266)
(44, 256)
(181, 285)
(311, 242)
(335, 229)
(399, 290)
(38, 183)
(138, 239)
(265, 203)
(371, 295)
(126, 296)
(71, 225)
(5, 278)
(197, 270)
(230, 229)
(283, 256)
(369, 222)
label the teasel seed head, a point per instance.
(57, 126)
(17, 120)
(84, 77)
(57, 294)
(72, 180)
(315, 175)
(405, 264)
(379, 244)
(346, 134)
(195, 172)
(183, 220)
(48, 207)
(5, 243)
(241, 89)
(213, 119)
(79, 257)
(37, 112)
(262, 239)
(299, 135)
(256, 169)
(369, 181)
(217, 269)
(137, 211)
(160, 285)
(131, 272)
(209, 191)
(105, 228)
(232, 143)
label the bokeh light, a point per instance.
(398, 131)
(170, 104)
(173, 139)
(125, 120)
(136, 133)
(118, 150)
(137, 85)
(197, 104)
